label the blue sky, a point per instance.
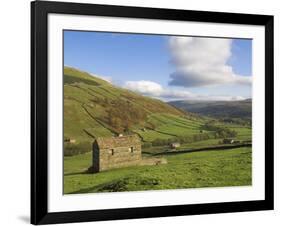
(165, 67)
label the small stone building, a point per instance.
(228, 141)
(116, 152)
(175, 145)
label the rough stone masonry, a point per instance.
(116, 152)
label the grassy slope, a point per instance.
(169, 126)
(85, 111)
(88, 101)
(190, 170)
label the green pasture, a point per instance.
(217, 168)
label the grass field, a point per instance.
(215, 168)
(95, 108)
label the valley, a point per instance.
(94, 107)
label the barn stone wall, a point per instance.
(116, 156)
(95, 158)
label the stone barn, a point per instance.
(228, 141)
(175, 145)
(116, 152)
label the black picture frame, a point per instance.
(39, 112)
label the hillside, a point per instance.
(217, 109)
(95, 108)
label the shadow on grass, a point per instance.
(113, 186)
(122, 184)
(215, 148)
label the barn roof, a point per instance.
(114, 142)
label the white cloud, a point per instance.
(145, 87)
(202, 62)
(154, 89)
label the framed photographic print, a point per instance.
(145, 112)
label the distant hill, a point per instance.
(217, 109)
